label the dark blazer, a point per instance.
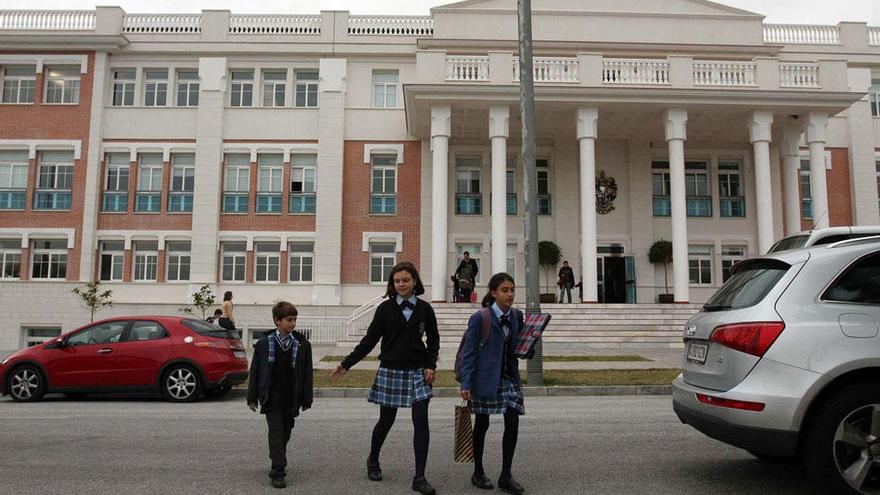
(481, 368)
(261, 374)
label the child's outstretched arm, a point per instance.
(374, 334)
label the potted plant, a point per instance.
(549, 255)
(661, 252)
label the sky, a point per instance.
(777, 11)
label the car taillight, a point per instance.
(751, 338)
(730, 403)
(215, 345)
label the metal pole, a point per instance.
(535, 365)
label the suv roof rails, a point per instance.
(855, 241)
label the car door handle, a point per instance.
(105, 351)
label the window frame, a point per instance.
(122, 87)
(147, 258)
(544, 204)
(307, 87)
(274, 87)
(120, 188)
(69, 84)
(724, 176)
(113, 254)
(152, 193)
(384, 164)
(727, 257)
(383, 258)
(510, 188)
(30, 340)
(19, 87)
(242, 174)
(70, 169)
(805, 189)
(473, 170)
(304, 198)
(173, 251)
(56, 257)
(7, 255)
(188, 88)
(14, 193)
(187, 173)
(237, 258)
(266, 257)
(388, 88)
(242, 87)
(474, 251)
(294, 252)
(270, 171)
(157, 83)
(704, 261)
(694, 169)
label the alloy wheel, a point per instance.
(181, 383)
(857, 449)
(24, 384)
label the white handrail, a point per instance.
(47, 20)
(635, 71)
(874, 36)
(275, 24)
(360, 312)
(801, 34)
(729, 74)
(422, 26)
(467, 68)
(551, 69)
(798, 75)
(162, 24)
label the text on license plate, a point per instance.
(239, 354)
(697, 353)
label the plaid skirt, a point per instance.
(510, 397)
(399, 388)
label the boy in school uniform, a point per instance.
(281, 383)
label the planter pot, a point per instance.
(666, 298)
(548, 298)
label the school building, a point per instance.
(299, 157)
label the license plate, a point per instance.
(697, 353)
(239, 354)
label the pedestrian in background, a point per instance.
(216, 318)
(566, 281)
(466, 273)
(227, 321)
(407, 328)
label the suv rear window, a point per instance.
(793, 242)
(208, 330)
(750, 282)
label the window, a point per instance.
(36, 336)
(242, 88)
(178, 256)
(183, 178)
(730, 255)
(382, 259)
(236, 183)
(49, 260)
(146, 330)
(55, 180)
(511, 260)
(301, 257)
(748, 286)
(267, 261)
(187, 88)
(13, 179)
(10, 257)
(468, 200)
(18, 84)
(146, 260)
(302, 183)
(274, 86)
(123, 87)
(696, 186)
(731, 198)
(660, 186)
(116, 183)
(62, 85)
(269, 172)
(544, 199)
(806, 190)
(510, 181)
(383, 186)
(385, 89)
(149, 187)
(700, 265)
(306, 88)
(875, 97)
(102, 333)
(112, 260)
(234, 261)
(858, 284)
(156, 87)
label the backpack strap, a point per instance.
(485, 325)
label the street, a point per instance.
(567, 445)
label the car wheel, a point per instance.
(26, 384)
(218, 392)
(843, 446)
(181, 383)
(776, 459)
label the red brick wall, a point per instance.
(839, 191)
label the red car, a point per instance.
(181, 357)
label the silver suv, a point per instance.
(784, 361)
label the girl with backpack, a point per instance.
(489, 375)
(407, 366)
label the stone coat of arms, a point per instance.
(606, 193)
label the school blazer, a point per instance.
(261, 374)
(481, 368)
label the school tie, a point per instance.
(406, 304)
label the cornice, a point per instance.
(65, 42)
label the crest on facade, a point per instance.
(606, 193)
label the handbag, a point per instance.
(533, 327)
(464, 434)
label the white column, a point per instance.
(441, 117)
(791, 159)
(587, 132)
(88, 239)
(760, 131)
(676, 133)
(499, 120)
(816, 124)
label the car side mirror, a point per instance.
(57, 344)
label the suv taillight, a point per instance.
(751, 338)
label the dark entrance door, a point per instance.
(614, 276)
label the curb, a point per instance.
(452, 392)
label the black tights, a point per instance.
(421, 433)
(508, 444)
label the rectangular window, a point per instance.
(146, 261)
(49, 260)
(112, 260)
(187, 88)
(383, 186)
(123, 87)
(302, 183)
(806, 190)
(149, 186)
(730, 255)
(234, 261)
(730, 191)
(696, 185)
(660, 186)
(473, 251)
(18, 84)
(36, 336)
(236, 183)
(382, 259)
(10, 257)
(242, 94)
(385, 88)
(13, 179)
(116, 183)
(183, 182)
(875, 97)
(301, 261)
(62, 85)
(54, 181)
(267, 261)
(269, 172)
(468, 199)
(700, 265)
(545, 203)
(511, 260)
(178, 255)
(306, 88)
(510, 184)
(156, 87)
(274, 87)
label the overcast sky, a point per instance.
(777, 11)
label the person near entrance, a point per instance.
(566, 281)
(466, 274)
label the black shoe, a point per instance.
(422, 486)
(481, 481)
(510, 485)
(374, 472)
(279, 483)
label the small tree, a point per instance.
(661, 252)
(93, 299)
(549, 255)
(203, 299)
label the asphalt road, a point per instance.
(570, 445)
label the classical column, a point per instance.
(791, 160)
(676, 133)
(816, 124)
(499, 119)
(91, 203)
(587, 131)
(441, 117)
(760, 123)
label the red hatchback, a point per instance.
(181, 357)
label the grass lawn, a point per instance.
(547, 359)
(653, 376)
